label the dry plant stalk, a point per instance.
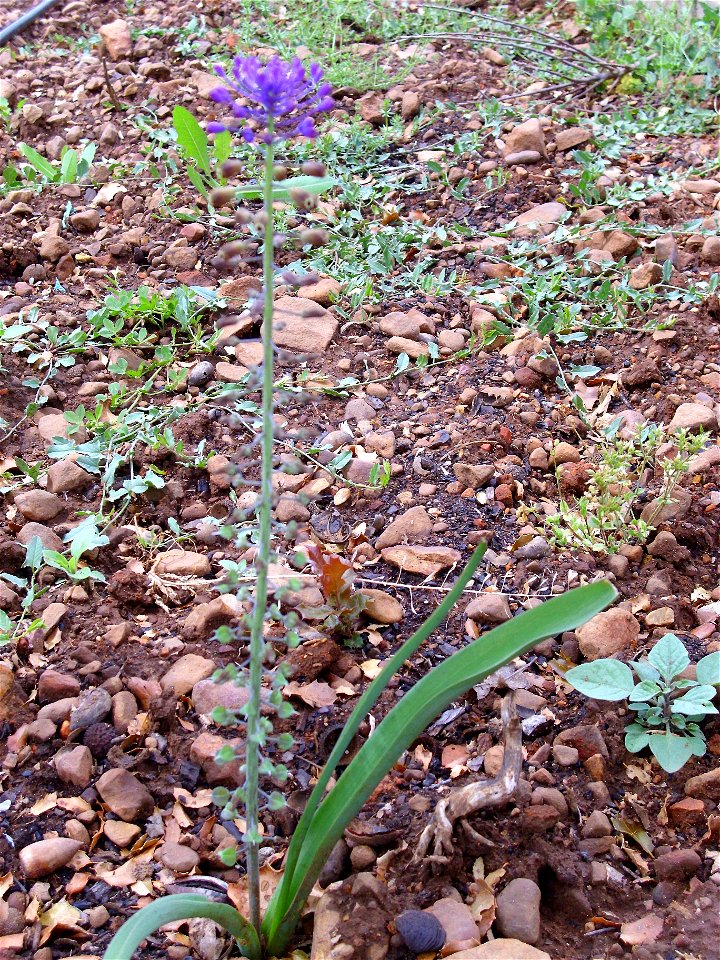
(464, 801)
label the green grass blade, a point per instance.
(181, 906)
(42, 165)
(281, 189)
(406, 721)
(363, 707)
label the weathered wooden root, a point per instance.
(482, 795)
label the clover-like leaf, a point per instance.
(708, 669)
(669, 656)
(636, 738)
(602, 679)
(670, 750)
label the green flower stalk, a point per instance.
(284, 102)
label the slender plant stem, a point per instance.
(262, 559)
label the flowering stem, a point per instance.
(262, 559)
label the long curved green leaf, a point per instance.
(43, 166)
(366, 703)
(405, 722)
(281, 189)
(181, 906)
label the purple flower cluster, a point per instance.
(281, 99)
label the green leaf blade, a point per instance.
(671, 751)
(669, 656)
(602, 679)
(421, 704)
(192, 139)
(181, 906)
(708, 669)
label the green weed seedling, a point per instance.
(669, 707)
(74, 165)
(605, 517)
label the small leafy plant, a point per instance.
(74, 164)
(340, 614)
(669, 707)
(605, 517)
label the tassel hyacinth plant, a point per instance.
(269, 104)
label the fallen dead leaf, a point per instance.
(342, 687)
(632, 828)
(129, 873)
(494, 877)
(371, 668)
(44, 804)
(455, 757)
(61, 916)
(315, 694)
(423, 756)
(639, 772)
(193, 801)
(483, 906)
(238, 895)
(645, 930)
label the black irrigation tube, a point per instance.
(7, 33)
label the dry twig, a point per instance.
(464, 801)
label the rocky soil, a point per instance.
(108, 746)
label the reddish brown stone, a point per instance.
(540, 818)
(686, 813)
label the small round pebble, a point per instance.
(201, 374)
(421, 932)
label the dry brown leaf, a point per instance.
(589, 395)
(636, 771)
(61, 916)
(48, 802)
(140, 726)
(77, 883)
(371, 668)
(181, 817)
(315, 694)
(645, 930)
(238, 895)
(483, 906)
(193, 801)
(455, 757)
(52, 639)
(137, 868)
(493, 878)
(423, 756)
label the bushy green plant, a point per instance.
(605, 517)
(329, 808)
(669, 707)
